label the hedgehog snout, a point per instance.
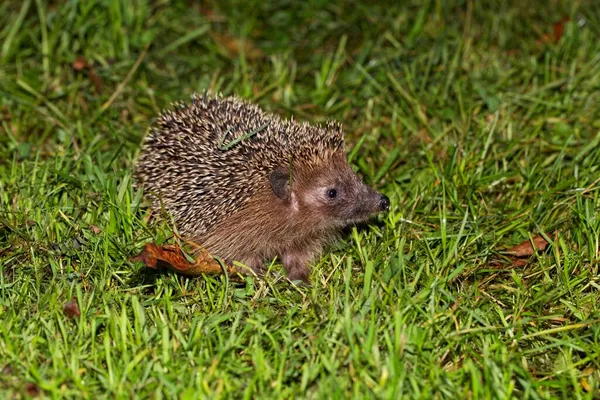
(384, 203)
(368, 203)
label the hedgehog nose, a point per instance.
(384, 203)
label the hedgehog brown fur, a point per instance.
(248, 185)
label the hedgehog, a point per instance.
(250, 186)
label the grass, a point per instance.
(481, 127)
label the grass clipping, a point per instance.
(172, 257)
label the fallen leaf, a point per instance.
(209, 13)
(511, 262)
(518, 263)
(559, 29)
(32, 389)
(588, 371)
(517, 256)
(171, 257)
(234, 46)
(71, 309)
(95, 80)
(81, 64)
(5, 114)
(585, 384)
(526, 248)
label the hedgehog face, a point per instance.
(341, 198)
(331, 196)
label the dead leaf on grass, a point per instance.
(558, 30)
(528, 247)
(171, 257)
(71, 309)
(583, 381)
(209, 13)
(518, 256)
(81, 64)
(234, 46)
(32, 389)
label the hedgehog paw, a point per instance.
(301, 274)
(296, 265)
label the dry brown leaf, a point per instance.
(5, 114)
(559, 29)
(208, 12)
(81, 64)
(526, 248)
(171, 257)
(32, 389)
(95, 80)
(585, 384)
(517, 256)
(234, 46)
(518, 263)
(71, 309)
(512, 262)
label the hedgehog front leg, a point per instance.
(256, 264)
(297, 264)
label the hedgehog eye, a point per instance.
(331, 193)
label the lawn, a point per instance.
(480, 120)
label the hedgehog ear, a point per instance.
(280, 183)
